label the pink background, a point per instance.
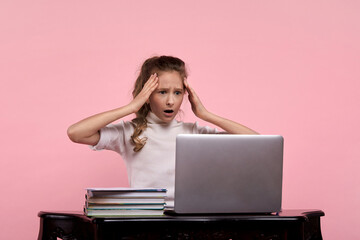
(280, 67)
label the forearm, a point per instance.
(87, 130)
(201, 112)
(226, 124)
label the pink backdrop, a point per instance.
(279, 67)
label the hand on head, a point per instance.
(146, 91)
(196, 105)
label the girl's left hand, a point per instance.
(196, 105)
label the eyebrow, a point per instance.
(179, 89)
(176, 89)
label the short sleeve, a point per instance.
(112, 137)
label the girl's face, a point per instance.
(166, 100)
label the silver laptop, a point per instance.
(226, 173)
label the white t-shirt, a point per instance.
(154, 164)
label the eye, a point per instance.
(162, 92)
(178, 93)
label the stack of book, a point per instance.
(124, 201)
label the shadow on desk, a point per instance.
(288, 224)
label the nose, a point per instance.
(170, 100)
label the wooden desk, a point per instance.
(288, 224)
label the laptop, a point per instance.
(227, 173)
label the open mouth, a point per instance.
(169, 111)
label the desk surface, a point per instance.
(287, 224)
(289, 215)
(284, 215)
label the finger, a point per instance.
(150, 89)
(152, 80)
(191, 92)
(188, 88)
(154, 86)
(155, 82)
(186, 84)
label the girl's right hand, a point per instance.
(87, 130)
(150, 85)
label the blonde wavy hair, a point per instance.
(150, 66)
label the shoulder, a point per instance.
(122, 125)
(190, 127)
(198, 129)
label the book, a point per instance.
(124, 202)
(124, 206)
(124, 212)
(107, 200)
(126, 192)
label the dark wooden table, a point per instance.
(288, 224)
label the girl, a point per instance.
(147, 143)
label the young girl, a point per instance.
(147, 143)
